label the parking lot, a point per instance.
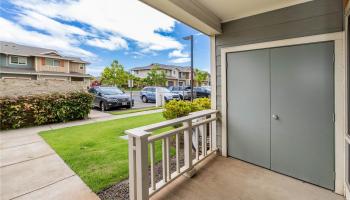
(137, 100)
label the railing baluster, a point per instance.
(197, 143)
(153, 181)
(177, 153)
(164, 160)
(210, 136)
(168, 157)
(203, 139)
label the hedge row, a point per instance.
(25, 111)
(174, 109)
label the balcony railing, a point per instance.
(199, 141)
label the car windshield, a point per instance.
(110, 91)
(161, 89)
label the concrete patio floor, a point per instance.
(227, 178)
(30, 168)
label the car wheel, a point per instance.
(144, 99)
(103, 106)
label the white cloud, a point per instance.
(95, 71)
(129, 19)
(44, 23)
(178, 53)
(111, 43)
(180, 60)
(16, 33)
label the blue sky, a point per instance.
(101, 31)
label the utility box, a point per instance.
(159, 98)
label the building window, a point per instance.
(56, 63)
(81, 66)
(52, 62)
(18, 60)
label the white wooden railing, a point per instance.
(142, 150)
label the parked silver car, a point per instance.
(148, 94)
(183, 91)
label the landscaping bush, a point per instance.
(174, 109)
(201, 104)
(25, 111)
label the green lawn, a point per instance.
(128, 111)
(96, 152)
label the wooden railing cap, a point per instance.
(145, 130)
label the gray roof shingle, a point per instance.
(11, 48)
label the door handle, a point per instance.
(276, 117)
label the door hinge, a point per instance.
(334, 174)
(334, 58)
(333, 117)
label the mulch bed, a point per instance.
(120, 191)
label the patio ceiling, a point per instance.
(207, 15)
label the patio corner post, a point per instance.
(132, 168)
(213, 131)
(188, 146)
(138, 166)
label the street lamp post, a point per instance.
(190, 37)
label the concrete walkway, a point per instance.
(30, 168)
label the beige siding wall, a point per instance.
(141, 73)
(53, 78)
(44, 67)
(75, 67)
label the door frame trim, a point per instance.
(339, 90)
(347, 136)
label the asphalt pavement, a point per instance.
(137, 100)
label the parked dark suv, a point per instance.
(183, 91)
(202, 92)
(110, 97)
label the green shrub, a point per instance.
(25, 111)
(174, 109)
(201, 104)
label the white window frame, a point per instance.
(339, 87)
(53, 62)
(18, 59)
(59, 63)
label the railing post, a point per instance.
(142, 167)
(138, 167)
(132, 168)
(188, 144)
(188, 158)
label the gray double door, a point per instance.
(280, 105)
